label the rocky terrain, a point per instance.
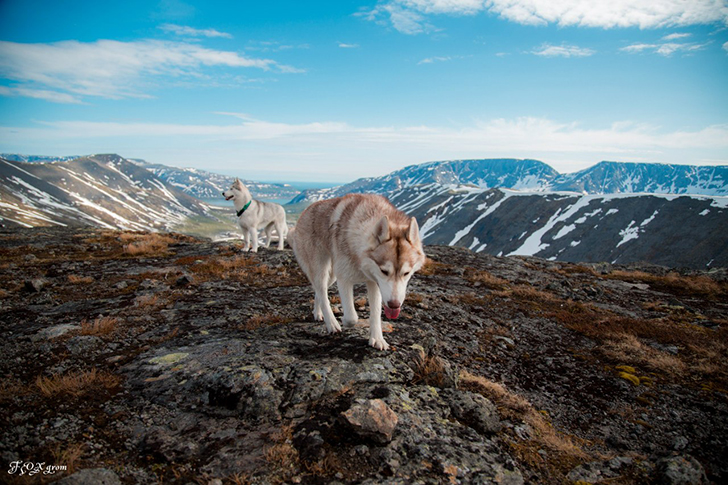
(132, 357)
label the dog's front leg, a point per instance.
(346, 293)
(376, 339)
(253, 236)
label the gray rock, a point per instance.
(680, 470)
(56, 331)
(91, 476)
(35, 285)
(83, 343)
(473, 410)
(372, 419)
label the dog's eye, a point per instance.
(384, 271)
(406, 274)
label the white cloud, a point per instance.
(431, 60)
(676, 36)
(53, 96)
(186, 31)
(348, 46)
(547, 50)
(352, 151)
(411, 16)
(112, 69)
(725, 46)
(664, 49)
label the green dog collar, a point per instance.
(240, 212)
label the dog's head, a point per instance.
(236, 190)
(396, 255)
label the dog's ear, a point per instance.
(382, 230)
(238, 183)
(413, 233)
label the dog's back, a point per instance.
(340, 227)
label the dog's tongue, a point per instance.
(391, 313)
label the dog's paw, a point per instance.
(349, 322)
(318, 316)
(378, 343)
(335, 328)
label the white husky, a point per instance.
(254, 214)
(354, 239)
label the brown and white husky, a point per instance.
(359, 238)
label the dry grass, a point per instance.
(100, 327)
(68, 456)
(430, 369)
(283, 456)
(152, 244)
(675, 283)
(235, 268)
(486, 279)
(432, 267)
(76, 383)
(146, 301)
(566, 451)
(258, 321)
(76, 279)
(576, 269)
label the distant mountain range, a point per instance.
(99, 190)
(671, 230)
(598, 214)
(536, 176)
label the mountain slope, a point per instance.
(683, 231)
(100, 190)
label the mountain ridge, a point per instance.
(536, 176)
(104, 190)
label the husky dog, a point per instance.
(254, 214)
(354, 239)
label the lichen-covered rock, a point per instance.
(373, 419)
(91, 476)
(681, 470)
(473, 410)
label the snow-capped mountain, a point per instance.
(652, 178)
(672, 230)
(208, 185)
(513, 173)
(535, 176)
(99, 190)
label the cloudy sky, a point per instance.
(331, 91)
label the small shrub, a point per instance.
(100, 327)
(76, 279)
(486, 279)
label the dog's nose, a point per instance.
(223, 194)
(394, 304)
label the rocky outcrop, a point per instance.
(502, 370)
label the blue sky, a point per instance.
(332, 91)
